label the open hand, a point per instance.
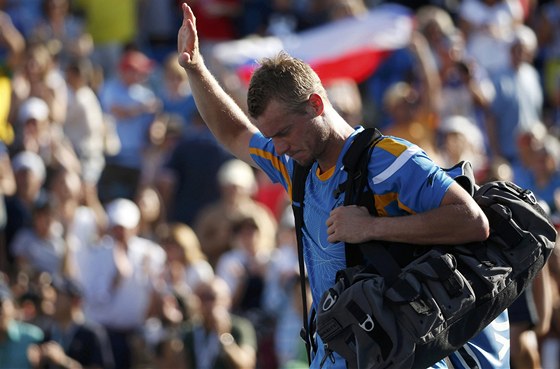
(187, 39)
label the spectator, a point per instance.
(518, 102)
(120, 291)
(63, 32)
(543, 177)
(38, 134)
(465, 88)
(133, 106)
(43, 246)
(461, 139)
(438, 28)
(39, 77)
(80, 214)
(186, 264)
(412, 107)
(70, 341)
(488, 27)
(85, 122)
(244, 268)
(175, 92)
(30, 174)
(188, 181)
(214, 223)
(16, 337)
(397, 67)
(165, 133)
(220, 339)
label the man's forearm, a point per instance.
(452, 224)
(219, 111)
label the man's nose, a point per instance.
(280, 146)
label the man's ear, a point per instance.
(317, 104)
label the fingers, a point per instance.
(332, 238)
(331, 229)
(188, 15)
(187, 42)
(186, 12)
(344, 222)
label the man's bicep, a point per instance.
(456, 195)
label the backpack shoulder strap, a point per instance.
(299, 178)
(363, 140)
(357, 191)
(355, 163)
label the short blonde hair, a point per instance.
(283, 78)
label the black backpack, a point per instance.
(413, 312)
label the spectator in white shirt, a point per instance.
(121, 289)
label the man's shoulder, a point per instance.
(393, 152)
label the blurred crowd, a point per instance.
(130, 239)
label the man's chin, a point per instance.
(303, 162)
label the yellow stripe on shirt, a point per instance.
(276, 163)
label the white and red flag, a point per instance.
(347, 48)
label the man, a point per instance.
(18, 340)
(293, 120)
(30, 175)
(188, 178)
(121, 289)
(517, 103)
(219, 339)
(70, 341)
(132, 105)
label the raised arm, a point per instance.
(223, 116)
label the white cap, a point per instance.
(463, 125)
(33, 108)
(238, 173)
(28, 160)
(123, 212)
(525, 36)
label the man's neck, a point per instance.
(340, 132)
